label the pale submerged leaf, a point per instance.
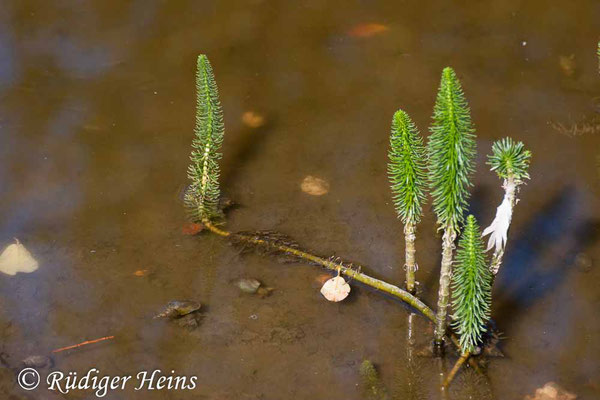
(335, 289)
(16, 258)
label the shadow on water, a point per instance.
(247, 147)
(525, 276)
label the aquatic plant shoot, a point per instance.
(202, 196)
(451, 150)
(471, 288)
(407, 175)
(510, 161)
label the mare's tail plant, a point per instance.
(451, 151)
(471, 288)
(471, 293)
(510, 161)
(406, 170)
(202, 196)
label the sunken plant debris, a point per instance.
(270, 244)
(184, 312)
(372, 387)
(179, 308)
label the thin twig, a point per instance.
(83, 344)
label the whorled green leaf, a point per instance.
(509, 158)
(406, 168)
(451, 149)
(202, 196)
(471, 287)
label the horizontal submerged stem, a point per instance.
(395, 291)
(349, 272)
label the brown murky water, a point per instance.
(96, 119)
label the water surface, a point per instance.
(96, 120)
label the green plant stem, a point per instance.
(349, 272)
(411, 265)
(444, 290)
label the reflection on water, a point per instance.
(96, 118)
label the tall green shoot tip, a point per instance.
(202, 196)
(406, 168)
(510, 159)
(452, 150)
(471, 284)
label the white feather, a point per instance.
(498, 229)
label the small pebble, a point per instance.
(248, 285)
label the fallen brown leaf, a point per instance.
(192, 229)
(367, 30)
(253, 119)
